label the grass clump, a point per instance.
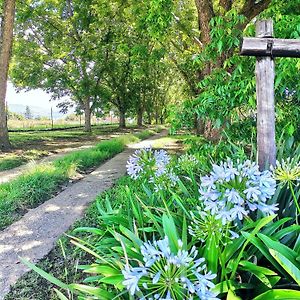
(144, 134)
(11, 162)
(29, 190)
(115, 145)
(84, 160)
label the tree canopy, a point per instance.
(149, 59)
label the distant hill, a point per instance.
(36, 111)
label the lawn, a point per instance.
(34, 145)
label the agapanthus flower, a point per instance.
(187, 162)
(205, 225)
(165, 275)
(287, 171)
(153, 167)
(232, 190)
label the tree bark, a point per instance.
(87, 116)
(226, 4)
(199, 125)
(252, 8)
(6, 40)
(122, 119)
(140, 117)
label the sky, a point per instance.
(37, 99)
(32, 98)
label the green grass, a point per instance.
(39, 184)
(45, 142)
(20, 139)
(29, 190)
(12, 161)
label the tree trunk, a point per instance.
(149, 116)
(156, 117)
(162, 119)
(6, 40)
(122, 119)
(200, 126)
(87, 116)
(140, 117)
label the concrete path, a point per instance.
(34, 236)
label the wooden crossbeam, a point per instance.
(270, 47)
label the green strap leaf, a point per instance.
(171, 232)
(45, 275)
(293, 270)
(279, 295)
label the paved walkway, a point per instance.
(34, 236)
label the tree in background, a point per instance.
(14, 116)
(28, 114)
(6, 39)
(60, 48)
(93, 52)
(201, 36)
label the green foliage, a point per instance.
(137, 212)
(94, 52)
(226, 94)
(159, 17)
(208, 152)
(14, 116)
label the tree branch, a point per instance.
(252, 8)
(187, 31)
(226, 4)
(205, 14)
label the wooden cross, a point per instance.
(265, 47)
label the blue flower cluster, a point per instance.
(232, 191)
(167, 276)
(154, 166)
(187, 162)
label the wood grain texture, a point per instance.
(265, 77)
(279, 47)
(265, 74)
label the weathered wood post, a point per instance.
(265, 48)
(265, 77)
